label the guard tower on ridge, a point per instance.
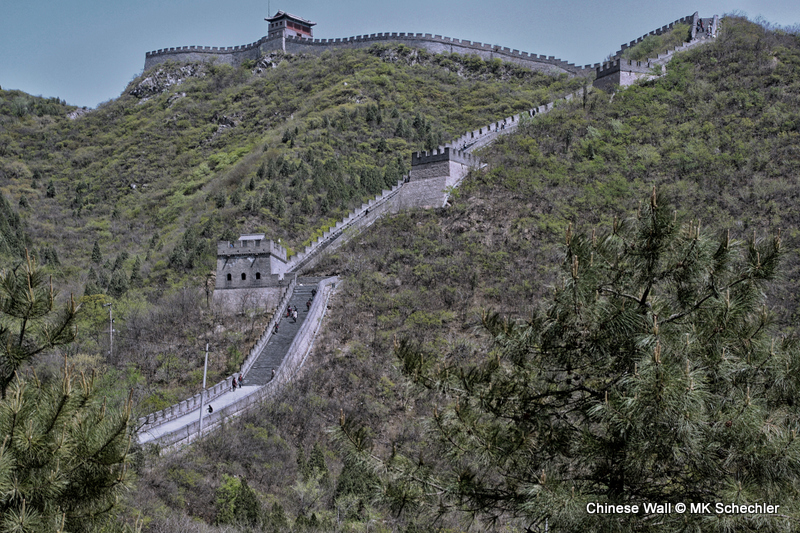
(287, 25)
(250, 273)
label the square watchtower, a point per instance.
(250, 272)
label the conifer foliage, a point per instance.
(63, 454)
(653, 375)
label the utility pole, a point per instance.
(202, 393)
(110, 329)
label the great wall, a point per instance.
(268, 279)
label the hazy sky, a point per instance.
(86, 51)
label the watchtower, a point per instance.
(250, 273)
(288, 25)
(433, 174)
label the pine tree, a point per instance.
(118, 284)
(136, 273)
(97, 255)
(64, 453)
(653, 375)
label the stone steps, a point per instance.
(274, 352)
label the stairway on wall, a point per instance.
(273, 353)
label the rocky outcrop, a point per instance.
(161, 79)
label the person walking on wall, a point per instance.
(294, 316)
(233, 384)
(240, 381)
(273, 375)
(210, 409)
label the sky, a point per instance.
(87, 51)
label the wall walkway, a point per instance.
(178, 424)
(260, 384)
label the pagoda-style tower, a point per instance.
(284, 25)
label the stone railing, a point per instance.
(255, 351)
(293, 361)
(357, 218)
(187, 406)
(688, 20)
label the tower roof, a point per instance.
(282, 14)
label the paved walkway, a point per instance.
(259, 374)
(224, 400)
(275, 350)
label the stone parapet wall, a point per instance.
(240, 301)
(356, 221)
(625, 72)
(235, 55)
(229, 55)
(689, 19)
(290, 366)
(437, 44)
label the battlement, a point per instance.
(624, 72)
(207, 49)
(444, 153)
(235, 55)
(302, 44)
(689, 19)
(251, 245)
(460, 43)
(628, 65)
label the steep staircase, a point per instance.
(273, 353)
(285, 351)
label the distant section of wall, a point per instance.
(625, 72)
(230, 55)
(235, 55)
(689, 19)
(437, 44)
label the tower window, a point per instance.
(244, 276)
(258, 275)
(229, 277)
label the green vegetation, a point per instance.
(127, 201)
(64, 456)
(499, 248)
(294, 143)
(652, 45)
(649, 376)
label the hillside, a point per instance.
(717, 136)
(124, 205)
(130, 199)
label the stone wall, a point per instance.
(295, 357)
(689, 19)
(235, 55)
(240, 301)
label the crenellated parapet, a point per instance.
(235, 55)
(444, 153)
(689, 19)
(624, 72)
(250, 273)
